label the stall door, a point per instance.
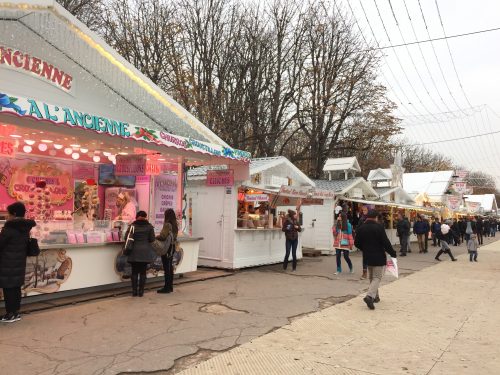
(309, 225)
(208, 206)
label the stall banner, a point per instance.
(256, 198)
(295, 192)
(473, 207)
(165, 196)
(7, 149)
(461, 187)
(323, 194)
(220, 177)
(461, 175)
(25, 173)
(25, 107)
(130, 165)
(84, 171)
(453, 203)
(312, 202)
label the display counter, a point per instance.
(65, 267)
(256, 247)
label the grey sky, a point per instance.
(477, 61)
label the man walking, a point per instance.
(372, 240)
(420, 228)
(435, 229)
(403, 232)
(479, 230)
(427, 230)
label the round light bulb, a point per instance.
(58, 147)
(75, 155)
(29, 142)
(42, 147)
(96, 159)
(84, 150)
(68, 151)
(27, 149)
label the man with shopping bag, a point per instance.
(372, 240)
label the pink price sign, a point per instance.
(220, 178)
(130, 165)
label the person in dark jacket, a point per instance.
(361, 221)
(142, 252)
(14, 240)
(435, 229)
(486, 227)
(462, 226)
(455, 230)
(403, 231)
(169, 226)
(372, 240)
(291, 227)
(420, 228)
(479, 230)
(446, 237)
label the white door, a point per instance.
(309, 225)
(208, 205)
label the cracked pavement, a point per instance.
(164, 334)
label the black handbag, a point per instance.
(129, 242)
(33, 248)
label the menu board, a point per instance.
(165, 197)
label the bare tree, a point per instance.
(87, 11)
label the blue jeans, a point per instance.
(473, 255)
(291, 245)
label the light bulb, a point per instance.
(75, 146)
(107, 154)
(27, 149)
(96, 159)
(68, 151)
(47, 141)
(84, 150)
(75, 155)
(29, 142)
(58, 147)
(42, 147)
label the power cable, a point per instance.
(457, 139)
(396, 55)
(451, 55)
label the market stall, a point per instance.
(83, 145)
(240, 219)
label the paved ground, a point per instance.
(442, 320)
(168, 333)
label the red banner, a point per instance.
(220, 178)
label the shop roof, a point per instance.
(342, 187)
(401, 195)
(380, 174)
(342, 164)
(46, 23)
(488, 201)
(434, 184)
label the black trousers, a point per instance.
(426, 247)
(168, 268)
(291, 246)
(480, 237)
(12, 297)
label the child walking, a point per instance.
(472, 246)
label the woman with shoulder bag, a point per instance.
(142, 252)
(168, 233)
(343, 241)
(291, 227)
(14, 248)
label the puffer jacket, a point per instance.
(346, 235)
(144, 235)
(14, 239)
(291, 233)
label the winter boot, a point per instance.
(133, 280)
(142, 283)
(364, 275)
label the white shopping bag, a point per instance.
(392, 267)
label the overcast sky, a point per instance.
(423, 92)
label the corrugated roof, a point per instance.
(336, 185)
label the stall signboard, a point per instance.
(38, 110)
(461, 175)
(323, 194)
(7, 149)
(453, 202)
(220, 177)
(130, 165)
(295, 191)
(256, 198)
(473, 207)
(165, 195)
(312, 202)
(461, 187)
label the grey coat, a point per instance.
(144, 235)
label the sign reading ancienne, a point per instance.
(220, 178)
(23, 62)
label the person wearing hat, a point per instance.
(142, 251)
(291, 227)
(14, 240)
(372, 240)
(126, 208)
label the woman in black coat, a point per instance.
(169, 227)
(142, 252)
(14, 239)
